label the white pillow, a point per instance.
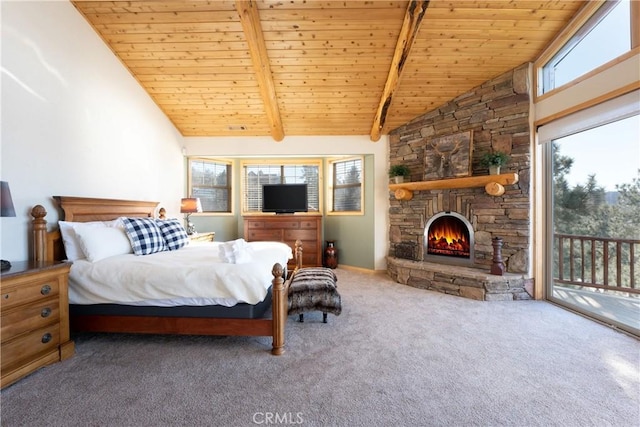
(70, 241)
(101, 242)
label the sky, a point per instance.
(610, 152)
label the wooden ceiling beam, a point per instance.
(410, 26)
(250, 19)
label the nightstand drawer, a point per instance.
(33, 316)
(25, 346)
(14, 296)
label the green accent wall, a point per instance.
(353, 234)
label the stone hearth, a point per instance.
(466, 282)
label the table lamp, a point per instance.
(6, 209)
(190, 205)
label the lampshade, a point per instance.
(190, 205)
(6, 203)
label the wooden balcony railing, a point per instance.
(596, 262)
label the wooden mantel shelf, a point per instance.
(493, 185)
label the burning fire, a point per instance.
(448, 236)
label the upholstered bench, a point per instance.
(314, 289)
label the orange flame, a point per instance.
(448, 235)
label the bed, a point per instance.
(266, 317)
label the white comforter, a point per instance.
(193, 275)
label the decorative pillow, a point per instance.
(145, 235)
(101, 242)
(175, 236)
(70, 241)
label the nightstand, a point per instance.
(203, 237)
(34, 310)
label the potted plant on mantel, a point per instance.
(399, 173)
(494, 161)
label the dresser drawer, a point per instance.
(255, 224)
(262, 235)
(27, 318)
(300, 235)
(282, 225)
(30, 344)
(312, 225)
(14, 296)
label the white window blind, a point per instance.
(255, 175)
(347, 186)
(210, 181)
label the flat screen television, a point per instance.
(284, 198)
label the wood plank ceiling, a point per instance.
(311, 67)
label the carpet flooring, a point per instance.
(396, 356)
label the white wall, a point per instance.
(314, 146)
(75, 122)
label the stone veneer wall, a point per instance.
(498, 113)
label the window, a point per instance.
(210, 180)
(605, 36)
(254, 175)
(346, 194)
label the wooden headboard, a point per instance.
(48, 245)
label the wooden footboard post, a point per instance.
(39, 233)
(279, 313)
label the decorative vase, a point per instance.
(497, 266)
(398, 179)
(494, 170)
(331, 255)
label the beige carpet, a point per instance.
(396, 356)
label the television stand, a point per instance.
(288, 229)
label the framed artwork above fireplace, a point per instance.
(448, 156)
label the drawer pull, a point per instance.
(46, 338)
(45, 312)
(5, 296)
(45, 290)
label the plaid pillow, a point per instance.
(145, 235)
(173, 232)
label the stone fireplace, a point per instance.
(497, 113)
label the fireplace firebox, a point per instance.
(448, 237)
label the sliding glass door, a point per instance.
(594, 220)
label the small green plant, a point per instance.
(399, 170)
(497, 158)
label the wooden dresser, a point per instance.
(34, 313)
(288, 229)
